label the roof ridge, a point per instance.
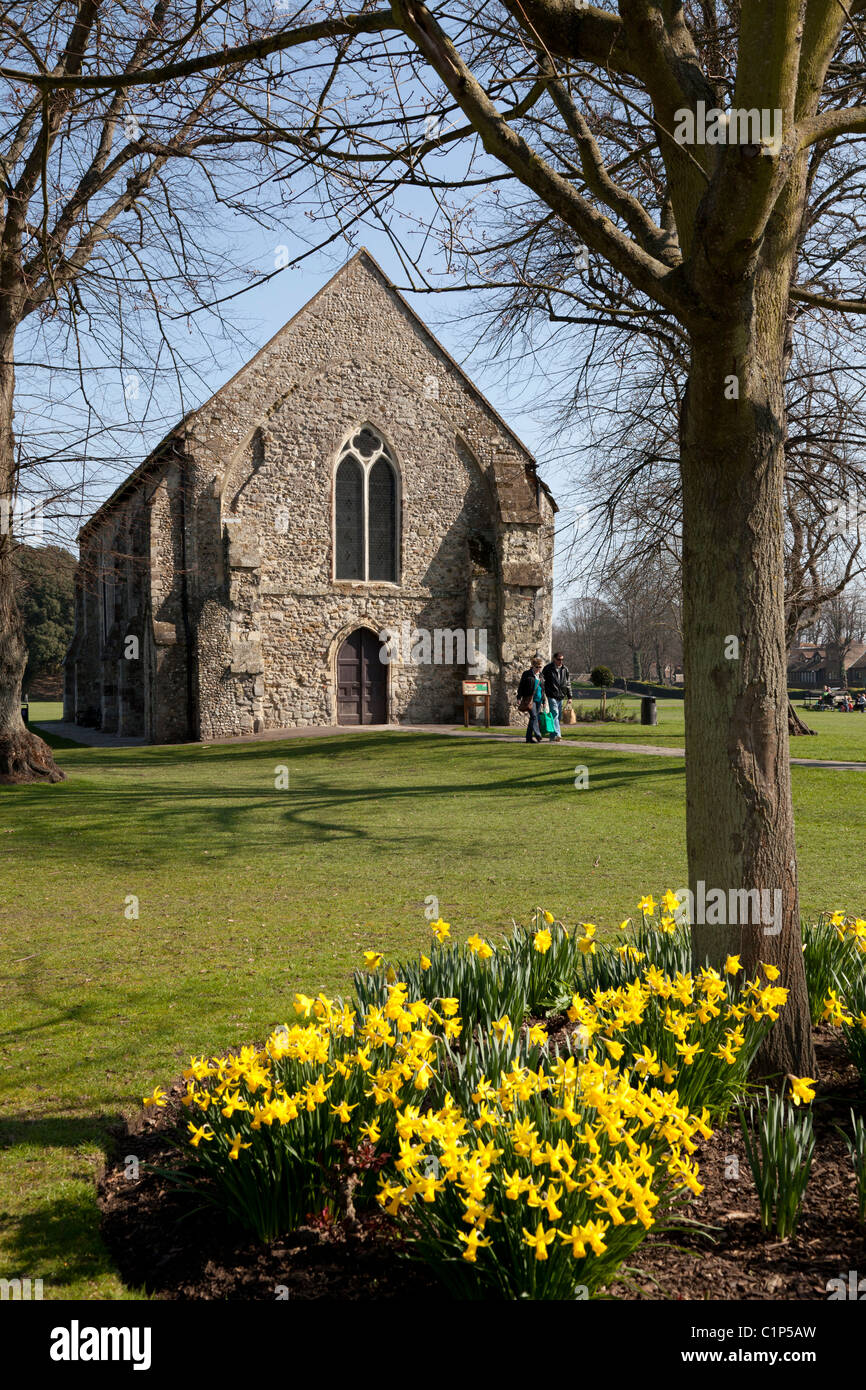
(187, 420)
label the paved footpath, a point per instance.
(94, 738)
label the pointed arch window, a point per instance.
(366, 539)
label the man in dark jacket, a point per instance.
(531, 690)
(557, 687)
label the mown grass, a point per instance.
(246, 893)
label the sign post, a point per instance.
(476, 693)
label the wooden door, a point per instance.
(362, 691)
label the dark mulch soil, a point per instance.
(162, 1244)
(733, 1259)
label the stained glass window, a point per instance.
(349, 503)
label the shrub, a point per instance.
(780, 1144)
(602, 676)
(613, 714)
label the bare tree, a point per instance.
(843, 621)
(106, 244)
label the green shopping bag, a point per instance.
(545, 722)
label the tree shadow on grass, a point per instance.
(169, 814)
(85, 1013)
(328, 747)
(61, 1131)
(59, 1240)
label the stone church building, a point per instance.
(349, 481)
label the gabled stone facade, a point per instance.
(207, 600)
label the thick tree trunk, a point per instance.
(796, 725)
(24, 757)
(740, 825)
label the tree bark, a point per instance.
(741, 837)
(24, 757)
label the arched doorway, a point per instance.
(362, 680)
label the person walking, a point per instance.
(557, 687)
(530, 698)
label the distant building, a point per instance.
(813, 665)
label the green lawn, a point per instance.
(246, 893)
(45, 709)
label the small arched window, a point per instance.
(257, 449)
(365, 506)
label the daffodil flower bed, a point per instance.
(511, 1170)
(264, 1122)
(540, 1183)
(534, 970)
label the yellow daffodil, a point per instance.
(802, 1088)
(539, 1241)
(205, 1132)
(303, 1004)
(473, 1242)
(237, 1146)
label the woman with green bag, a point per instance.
(530, 699)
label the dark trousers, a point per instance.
(533, 728)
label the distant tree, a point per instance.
(584, 632)
(842, 622)
(45, 593)
(602, 676)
